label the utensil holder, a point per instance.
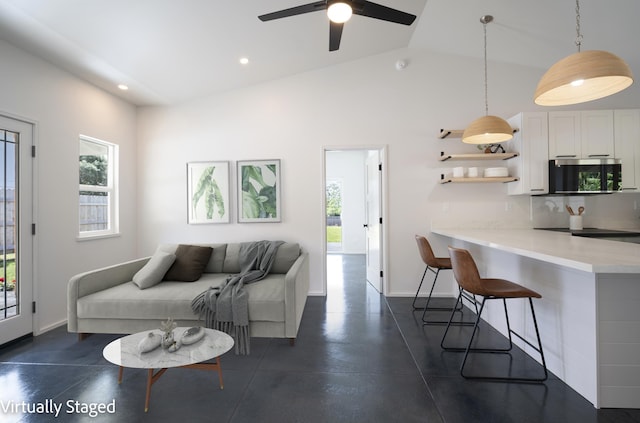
(575, 222)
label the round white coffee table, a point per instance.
(124, 352)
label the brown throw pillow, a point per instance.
(191, 260)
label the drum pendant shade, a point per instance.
(581, 77)
(487, 130)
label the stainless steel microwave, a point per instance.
(584, 176)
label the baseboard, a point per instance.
(47, 328)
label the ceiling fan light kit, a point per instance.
(487, 129)
(583, 76)
(340, 11)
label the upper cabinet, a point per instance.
(531, 166)
(627, 146)
(581, 135)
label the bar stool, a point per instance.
(467, 275)
(434, 264)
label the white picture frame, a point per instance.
(259, 191)
(208, 199)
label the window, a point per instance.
(98, 188)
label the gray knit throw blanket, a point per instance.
(225, 308)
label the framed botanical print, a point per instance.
(208, 192)
(259, 191)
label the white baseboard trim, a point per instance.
(50, 327)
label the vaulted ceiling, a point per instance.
(170, 51)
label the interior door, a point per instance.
(373, 224)
(16, 284)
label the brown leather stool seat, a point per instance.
(468, 278)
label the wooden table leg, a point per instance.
(219, 372)
(151, 379)
(120, 374)
(208, 366)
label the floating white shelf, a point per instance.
(453, 133)
(444, 180)
(477, 156)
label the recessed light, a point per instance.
(123, 87)
(244, 61)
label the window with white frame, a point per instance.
(98, 188)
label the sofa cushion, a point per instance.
(191, 260)
(215, 262)
(173, 299)
(166, 299)
(153, 272)
(286, 255)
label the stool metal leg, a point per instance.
(468, 349)
(420, 286)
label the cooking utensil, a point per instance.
(570, 210)
(580, 210)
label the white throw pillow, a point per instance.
(153, 272)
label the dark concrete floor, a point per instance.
(358, 358)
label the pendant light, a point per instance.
(583, 76)
(487, 129)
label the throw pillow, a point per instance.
(191, 260)
(152, 272)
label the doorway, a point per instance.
(16, 244)
(353, 225)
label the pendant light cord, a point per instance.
(486, 97)
(578, 34)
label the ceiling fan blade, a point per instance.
(335, 34)
(298, 10)
(378, 11)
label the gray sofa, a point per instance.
(108, 301)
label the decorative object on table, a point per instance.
(208, 192)
(487, 129)
(259, 191)
(174, 346)
(149, 342)
(167, 332)
(582, 76)
(192, 335)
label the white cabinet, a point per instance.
(531, 166)
(627, 146)
(564, 135)
(597, 134)
(586, 134)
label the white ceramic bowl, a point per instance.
(496, 172)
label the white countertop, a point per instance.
(561, 248)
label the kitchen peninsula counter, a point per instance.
(589, 313)
(561, 248)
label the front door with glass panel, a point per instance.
(16, 281)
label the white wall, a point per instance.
(63, 107)
(348, 166)
(361, 103)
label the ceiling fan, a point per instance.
(339, 11)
